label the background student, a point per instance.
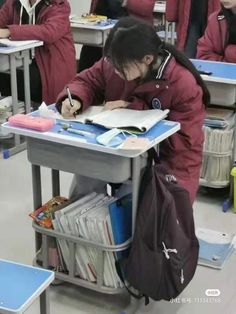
(219, 40)
(141, 72)
(191, 18)
(114, 9)
(53, 64)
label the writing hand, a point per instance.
(110, 105)
(67, 111)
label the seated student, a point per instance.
(114, 9)
(219, 40)
(53, 64)
(191, 18)
(141, 72)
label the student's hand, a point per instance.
(110, 105)
(67, 111)
(4, 33)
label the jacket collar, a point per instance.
(163, 65)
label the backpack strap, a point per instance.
(119, 270)
(153, 156)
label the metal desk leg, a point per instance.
(26, 61)
(136, 171)
(18, 147)
(37, 199)
(14, 92)
(55, 182)
(44, 302)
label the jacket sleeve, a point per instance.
(142, 8)
(230, 54)
(172, 7)
(209, 45)
(6, 14)
(88, 86)
(54, 27)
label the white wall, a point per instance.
(79, 7)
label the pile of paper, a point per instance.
(100, 219)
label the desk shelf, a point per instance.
(72, 241)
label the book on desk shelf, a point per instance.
(136, 121)
(215, 247)
(219, 117)
(5, 42)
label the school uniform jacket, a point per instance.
(178, 11)
(213, 44)
(56, 58)
(141, 8)
(174, 88)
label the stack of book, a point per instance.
(218, 145)
(101, 219)
(215, 247)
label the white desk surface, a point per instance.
(92, 26)
(222, 72)
(20, 285)
(157, 134)
(25, 46)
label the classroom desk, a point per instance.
(92, 35)
(72, 153)
(10, 59)
(221, 82)
(20, 285)
(169, 33)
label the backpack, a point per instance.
(164, 252)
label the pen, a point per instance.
(70, 99)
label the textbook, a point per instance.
(136, 121)
(5, 42)
(215, 247)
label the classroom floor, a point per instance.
(17, 244)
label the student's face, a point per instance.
(229, 4)
(137, 69)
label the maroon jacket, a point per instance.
(178, 11)
(141, 8)
(56, 58)
(213, 45)
(173, 88)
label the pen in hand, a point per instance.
(70, 99)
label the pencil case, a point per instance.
(30, 122)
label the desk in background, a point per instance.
(20, 285)
(11, 58)
(222, 87)
(92, 35)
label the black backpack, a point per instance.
(164, 252)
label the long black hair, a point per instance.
(131, 39)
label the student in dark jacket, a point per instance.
(53, 64)
(141, 72)
(191, 19)
(114, 9)
(219, 40)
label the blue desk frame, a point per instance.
(20, 285)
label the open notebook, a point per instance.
(137, 121)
